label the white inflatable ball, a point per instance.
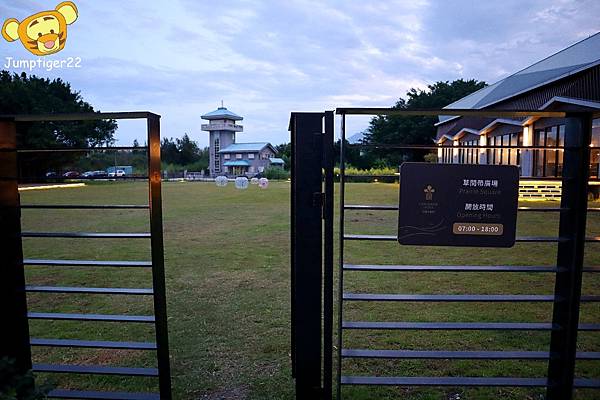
(263, 183)
(221, 181)
(241, 183)
(254, 181)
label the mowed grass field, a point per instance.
(227, 275)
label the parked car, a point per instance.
(71, 174)
(117, 173)
(100, 174)
(95, 174)
(51, 174)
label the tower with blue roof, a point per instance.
(232, 159)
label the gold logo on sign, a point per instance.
(429, 191)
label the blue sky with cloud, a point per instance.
(180, 58)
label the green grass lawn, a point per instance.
(227, 266)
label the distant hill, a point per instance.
(356, 138)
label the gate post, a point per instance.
(328, 163)
(15, 344)
(567, 292)
(306, 252)
(158, 259)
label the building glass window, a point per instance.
(497, 142)
(560, 152)
(226, 156)
(506, 152)
(552, 155)
(515, 154)
(468, 155)
(238, 156)
(549, 162)
(250, 156)
(539, 139)
(500, 151)
(595, 152)
(217, 147)
(446, 154)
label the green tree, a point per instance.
(168, 151)
(181, 154)
(415, 130)
(284, 151)
(22, 94)
(203, 160)
(354, 156)
(188, 151)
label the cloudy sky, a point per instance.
(264, 59)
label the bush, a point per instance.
(389, 175)
(201, 165)
(276, 173)
(372, 171)
(431, 157)
(176, 168)
(17, 386)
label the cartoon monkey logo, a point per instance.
(43, 33)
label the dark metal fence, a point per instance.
(12, 275)
(560, 380)
(561, 356)
(312, 253)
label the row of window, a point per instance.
(499, 156)
(251, 156)
(503, 156)
(549, 162)
(469, 156)
(238, 156)
(242, 170)
(216, 149)
(546, 163)
(447, 156)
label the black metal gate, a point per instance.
(13, 288)
(561, 356)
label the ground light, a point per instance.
(47, 187)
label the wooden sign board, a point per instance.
(458, 205)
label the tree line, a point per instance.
(390, 130)
(394, 130)
(183, 154)
(23, 94)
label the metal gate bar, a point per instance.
(158, 290)
(566, 299)
(306, 255)
(312, 252)
(561, 370)
(328, 253)
(15, 343)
